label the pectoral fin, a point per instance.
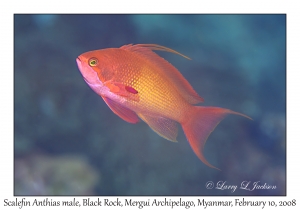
(122, 90)
(164, 127)
(123, 112)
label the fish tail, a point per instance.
(199, 122)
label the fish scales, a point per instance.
(156, 95)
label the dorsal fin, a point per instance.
(140, 47)
(180, 83)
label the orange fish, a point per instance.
(137, 83)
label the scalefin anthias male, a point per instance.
(136, 83)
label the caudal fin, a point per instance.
(199, 123)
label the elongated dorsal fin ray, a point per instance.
(160, 48)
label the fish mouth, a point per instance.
(78, 61)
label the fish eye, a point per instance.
(93, 61)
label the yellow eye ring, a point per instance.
(93, 61)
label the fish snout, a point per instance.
(78, 60)
(79, 63)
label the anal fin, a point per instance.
(164, 127)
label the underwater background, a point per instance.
(68, 142)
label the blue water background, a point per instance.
(68, 142)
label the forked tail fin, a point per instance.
(199, 123)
